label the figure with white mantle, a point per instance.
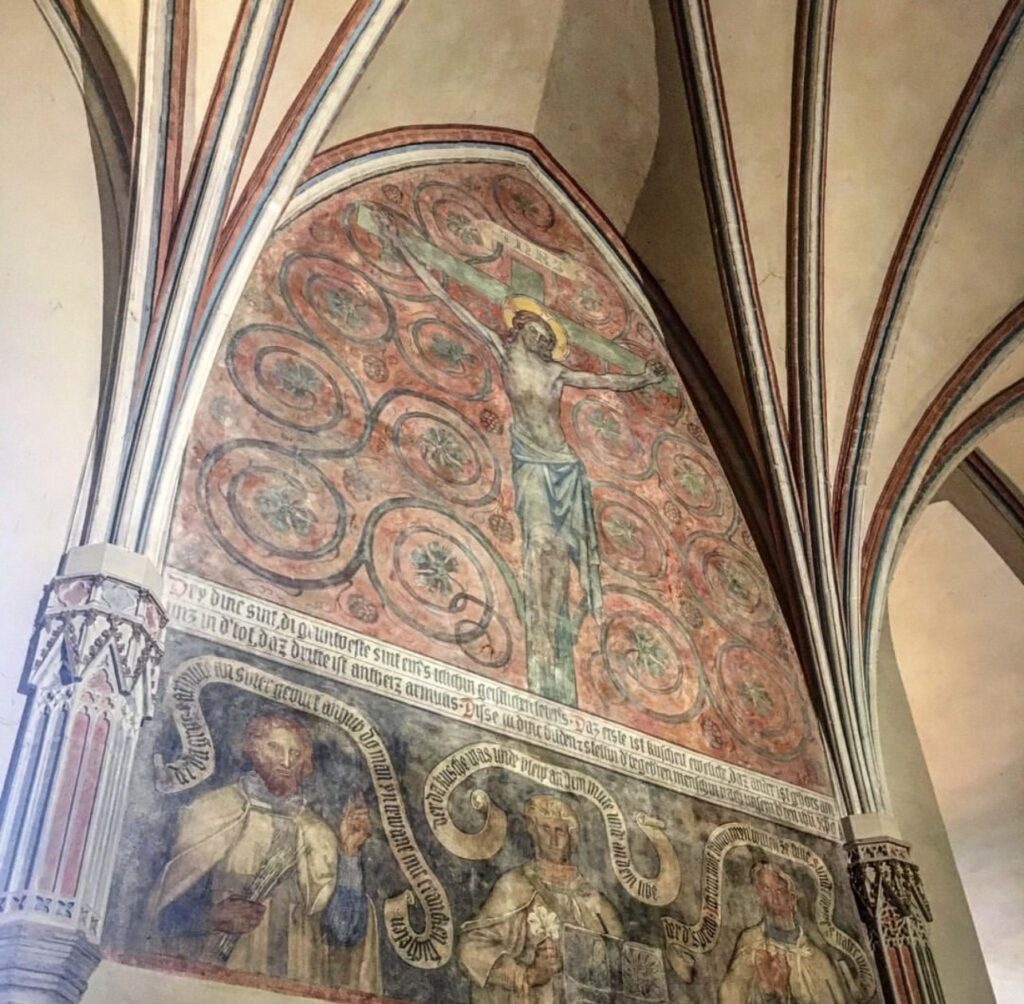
(259, 882)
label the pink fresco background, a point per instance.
(349, 409)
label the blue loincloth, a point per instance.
(552, 490)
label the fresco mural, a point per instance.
(258, 879)
(476, 689)
(443, 417)
(775, 958)
(303, 835)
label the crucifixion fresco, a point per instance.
(444, 418)
(553, 498)
(467, 632)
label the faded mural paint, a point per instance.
(360, 447)
(442, 422)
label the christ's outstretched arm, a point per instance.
(653, 372)
(426, 277)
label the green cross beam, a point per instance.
(524, 281)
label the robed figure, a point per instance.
(512, 949)
(258, 881)
(775, 962)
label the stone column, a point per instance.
(91, 678)
(893, 906)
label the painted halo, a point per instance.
(514, 304)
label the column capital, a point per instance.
(103, 609)
(888, 885)
(893, 907)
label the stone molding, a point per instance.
(41, 965)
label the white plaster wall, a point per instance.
(897, 69)
(580, 75)
(668, 228)
(119, 23)
(1004, 446)
(969, 278)
(51, 282)
(598, 115)
(957, 618)
(477, 62)
(953, 762)
(953, 939)
(757, 35)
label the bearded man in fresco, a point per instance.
(774, 961)
(258, 881)
(554, 502)
(511, 950)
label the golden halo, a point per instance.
(514, 304)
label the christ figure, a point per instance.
(553, 498)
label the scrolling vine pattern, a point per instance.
(351, 458)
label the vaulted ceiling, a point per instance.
(829, 196)
(599, 84)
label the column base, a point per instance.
(44, 964)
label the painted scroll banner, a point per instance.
(226, 616)
(659, 890)
(428, 948)
(561, 264)
(686, 940)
